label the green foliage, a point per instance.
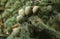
(34, 26)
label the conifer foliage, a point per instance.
(29, 19)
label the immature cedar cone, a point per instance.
(21, 12)
(35, 9)
(28, 10)
(19, 18)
